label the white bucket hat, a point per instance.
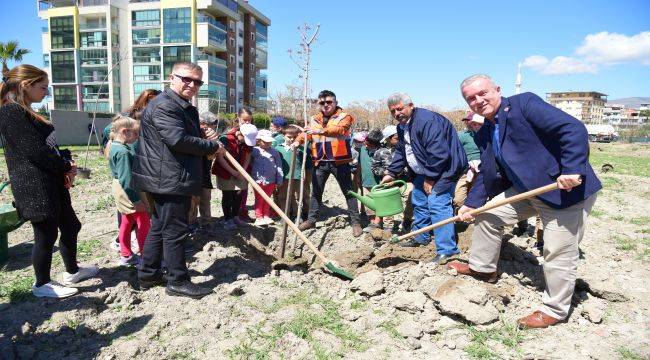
(388, 131)
(265, 135)
(249, 131)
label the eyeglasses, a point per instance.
(323, 102)
(187, 80)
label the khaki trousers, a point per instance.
(462, 189)
(563, 230)
(201, 204)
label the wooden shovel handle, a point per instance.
(275, 207)
(489, 206)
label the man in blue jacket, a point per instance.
(429, 147)
(526, 143)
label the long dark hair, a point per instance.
(143, 100)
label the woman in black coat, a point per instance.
(40, 175)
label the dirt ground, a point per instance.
(398, 306)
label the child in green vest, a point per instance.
(131, 204)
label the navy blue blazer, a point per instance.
(436, 147)
(538, 142)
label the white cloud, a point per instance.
(611, 48)
(558, 65)
(601, 49)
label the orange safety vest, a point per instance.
(327, 148)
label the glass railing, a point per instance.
(148, 77)
(211, 21)
(94, 78)
(45, 29)
(217, 37)
(146, 59)
(95, 96)
(212, 59)
(94, 62)
(93, 2)
(91, 26)
(146, 41)
(99, 43)
(97, 107)
(261, 58)
(145, 23)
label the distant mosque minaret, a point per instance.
(518, 81)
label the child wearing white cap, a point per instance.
(267, 173)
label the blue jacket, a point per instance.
(436, 148)
(538, 142)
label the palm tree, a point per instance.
(9, 51)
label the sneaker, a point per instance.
(115, 245)
(269, 221)
(260, 222)
(132, 260)
(229, 225)
(53, 290)
(82, 274)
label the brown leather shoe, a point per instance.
(463, 268)
(536, 320)
(356, 230)
(306, 225)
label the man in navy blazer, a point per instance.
(430, 148)
(527, 143)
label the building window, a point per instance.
(63, 67)
(146, 72)
(232, 59)
(93, 39)
(65, 97)
(146, 55)
(177, 25)
(232, 25)
(62, 32)
(240, 51)
(174, 54)
(145, 18)
(94, 57)
(146, 36)
(140, 87)
(231, 108)
(94, 74)
(95, 92)
(252, 67)
(240, 33)
(46, 60)
(232, 92)
(232, 76)
(240, 65)
(232, 41)
(216, 73)
(252, 36)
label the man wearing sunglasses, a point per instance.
(170, 165)
(330, 139)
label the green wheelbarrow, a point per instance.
(9, 221)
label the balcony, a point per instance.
(261, 59)
(210, 37)
(95, 95)
(212, 21)
(146, 41)
(94, 78)
(211, 59)
(146, 60)
(101, 107)
(94, 44)
(147, 77)
(92, 27)
(219, 8)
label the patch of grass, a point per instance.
(623, 164)
(597, 213)
(507, 334)
(643, 231)
(103, 203)
(390, 327)
(17, 289)
(315, 313)
(624, 243)
(358, 305)
(643, 220)
(617, 218)
(610, 183)
(627, 354)
(87, 248)
(72, 323)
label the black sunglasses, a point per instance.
(323, 102)
(187, 80)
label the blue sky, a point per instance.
(369, 49)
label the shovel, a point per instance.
(486, 207)
(292, 168)
(328, 263)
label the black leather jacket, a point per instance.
(170, 158)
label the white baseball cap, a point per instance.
(388, 131)
(265, 135)
(249, 131)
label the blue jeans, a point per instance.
(429, 210)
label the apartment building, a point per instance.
(101, 54)
(587, 106)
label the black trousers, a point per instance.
(343, 176)
(166, 239)
(45, 235)
(230, 203)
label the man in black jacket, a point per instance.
(169, 165)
